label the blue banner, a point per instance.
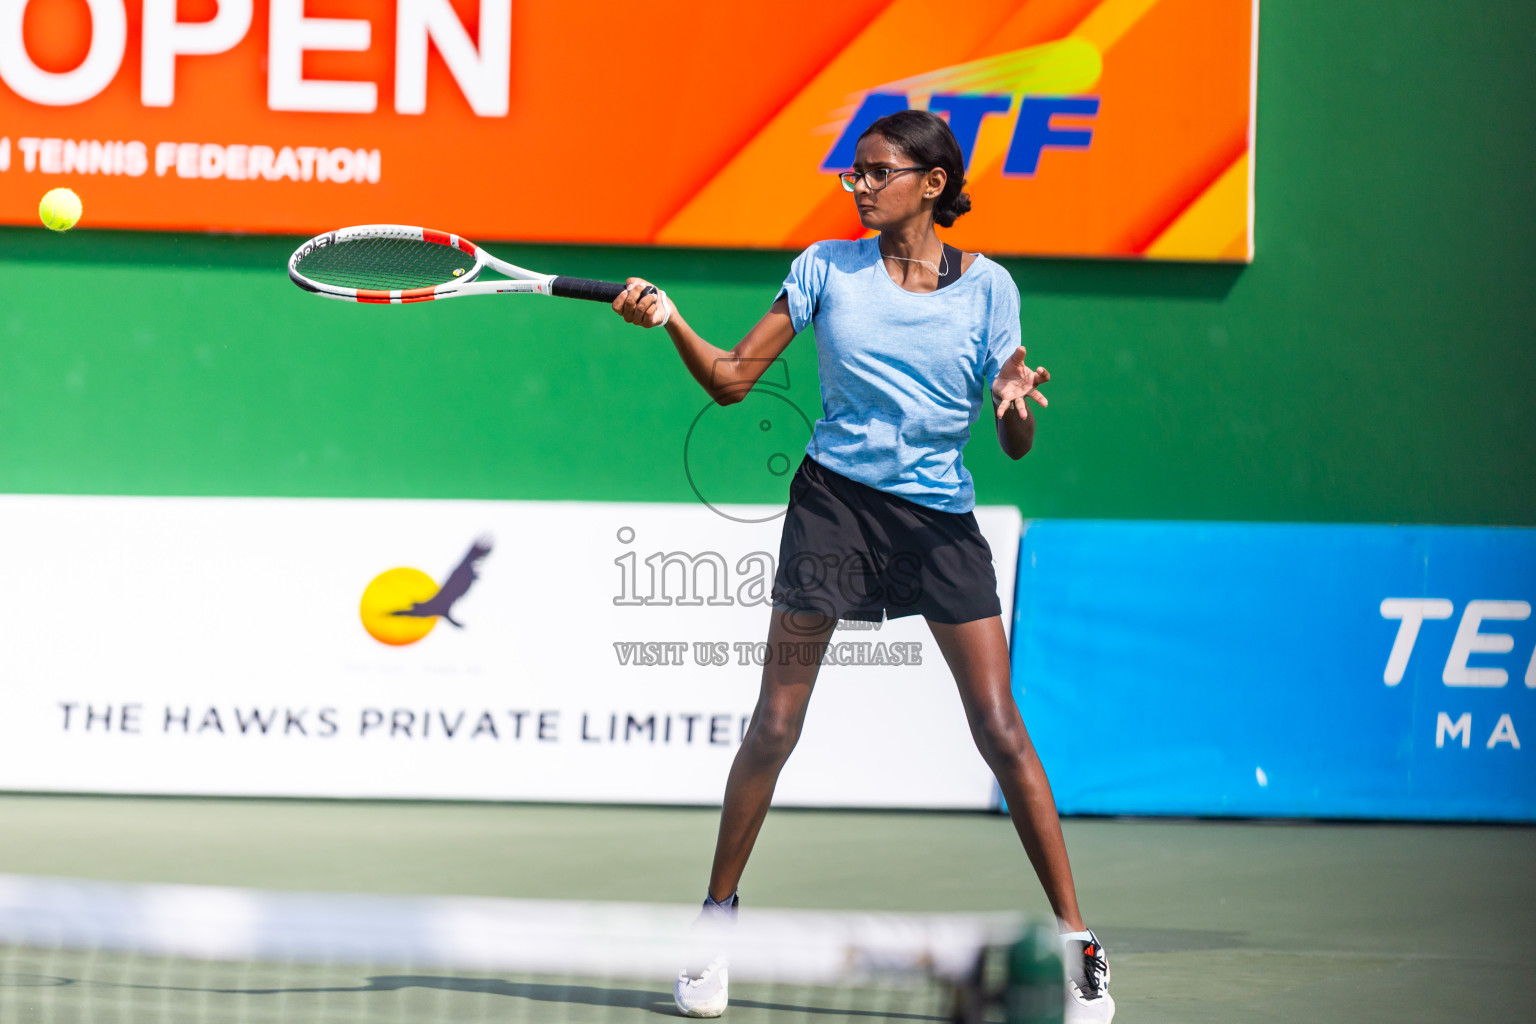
(1280, 669)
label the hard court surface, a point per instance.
(1204, 921)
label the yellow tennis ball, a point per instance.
(60, 209)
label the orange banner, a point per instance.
(1092, 127)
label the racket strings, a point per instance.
(384, 264)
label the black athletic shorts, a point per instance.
(851, 551)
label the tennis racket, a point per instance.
(392, 263)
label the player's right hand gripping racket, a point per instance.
(392, 263)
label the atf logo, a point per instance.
(400, 606)
(1033, 84)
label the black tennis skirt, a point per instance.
(851, 551)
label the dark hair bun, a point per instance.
(949, 207)
(925, 138)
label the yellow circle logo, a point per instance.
(389, 594)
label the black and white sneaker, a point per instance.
(1088, 999)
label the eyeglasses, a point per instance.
(875, 179)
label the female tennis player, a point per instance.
(880, 522)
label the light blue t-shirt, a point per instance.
(903, 375)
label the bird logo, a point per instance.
(400, 606)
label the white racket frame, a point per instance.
(522, 281)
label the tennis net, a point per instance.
(78, 951)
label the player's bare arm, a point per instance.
(726, 374)
(1015, 387)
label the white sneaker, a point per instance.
(705, 991)
(1088, 999)
(705, 995)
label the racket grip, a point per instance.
(595, 291)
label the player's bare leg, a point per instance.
(702, 989)
(771, 736)
(977, 653)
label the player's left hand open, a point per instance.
(1016, 382)
(640, 308)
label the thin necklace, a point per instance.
(940, 270)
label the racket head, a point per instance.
(384, 263)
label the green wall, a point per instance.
(1373, 364)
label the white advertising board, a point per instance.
(605, 653)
